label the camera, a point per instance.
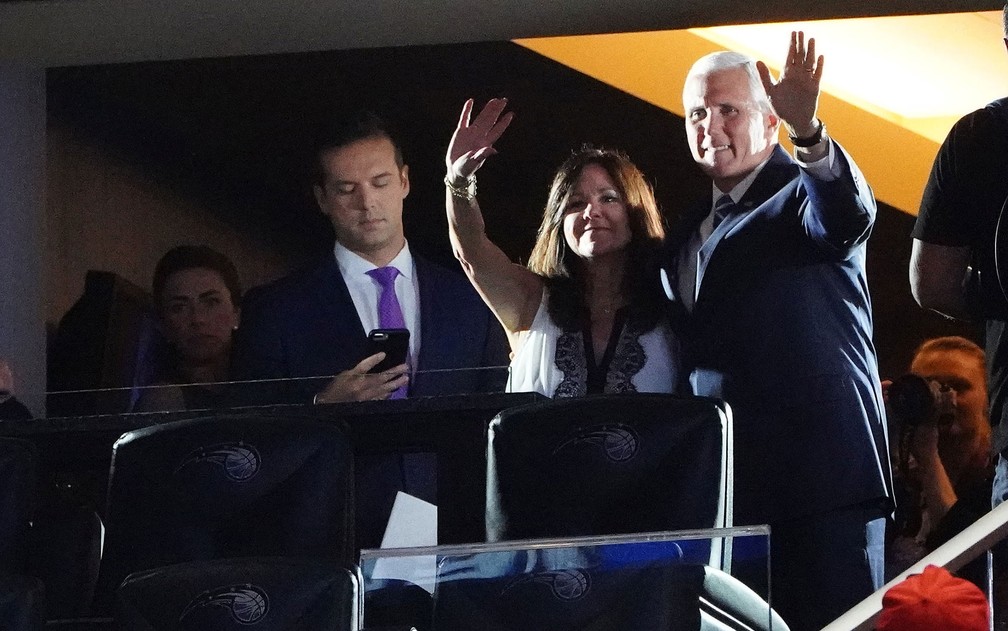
(914, 400)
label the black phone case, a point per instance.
(393, 342)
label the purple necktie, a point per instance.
(390, 315)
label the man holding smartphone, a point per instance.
(316, 323)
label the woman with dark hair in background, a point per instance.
(197, 297)
(586, 315)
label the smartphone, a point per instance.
(393, 342)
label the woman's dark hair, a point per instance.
(563, 270)
(185, 257)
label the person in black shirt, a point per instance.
(953, 264)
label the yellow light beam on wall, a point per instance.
(895, 158)
(921, 72)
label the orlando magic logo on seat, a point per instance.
(246, 604)
(564, 584)
(239, 461)
(618, 442)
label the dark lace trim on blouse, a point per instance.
(627, 360)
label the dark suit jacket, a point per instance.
(782, 330)
(306, 325)
(14, 410)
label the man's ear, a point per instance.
(404, 178)
(319, 193)
(773, 122)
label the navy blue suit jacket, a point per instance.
(782, 330)
(306, 325)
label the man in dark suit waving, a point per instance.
(768, 275)
(315, 322)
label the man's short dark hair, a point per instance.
(185, 257)
(1004, 19)
(360, 125)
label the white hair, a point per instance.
(728, 60)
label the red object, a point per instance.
(931, 601)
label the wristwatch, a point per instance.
(810, 141)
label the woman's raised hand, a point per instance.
(472, 142)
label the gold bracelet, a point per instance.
(468, 192)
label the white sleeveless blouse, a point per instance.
(552, 361)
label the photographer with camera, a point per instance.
(941, 448)
(957, 264)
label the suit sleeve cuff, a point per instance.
(825, 169)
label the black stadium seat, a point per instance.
(22, 603)
(234, 485)
(608, 464)
(18, 486)
(21, 597)
(574, 599)
(265, 594)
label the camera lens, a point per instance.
(911, 400)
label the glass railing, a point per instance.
(971, 545)
(661, 580)
(163, 397)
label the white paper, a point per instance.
(412, 523)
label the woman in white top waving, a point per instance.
(586, 315)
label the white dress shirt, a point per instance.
(365, 291)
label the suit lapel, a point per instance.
(431, 318)
(778, 172)
(680, 234)
(337, 306)
(677, 239)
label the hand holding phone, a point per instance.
(362, 383)
(393, 342)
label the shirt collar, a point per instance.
(740, 189)
(352, 265)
